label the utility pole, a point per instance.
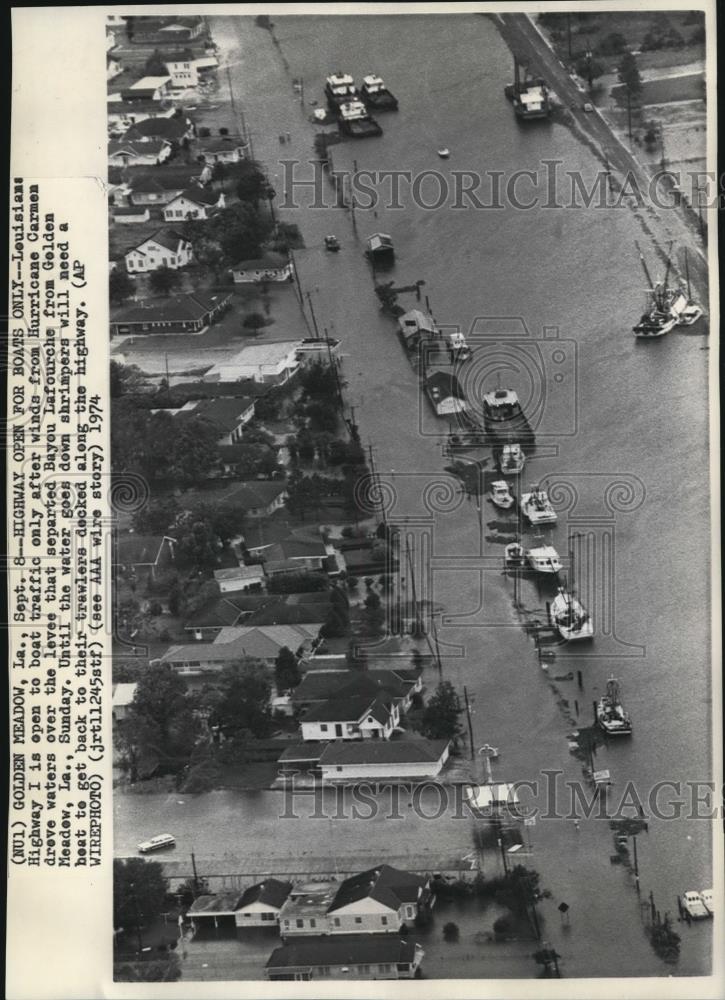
(629, 114)
(312, 314)
(376, 485)
(196, 877)
(437, 649)
(417, 624)
(470, 721)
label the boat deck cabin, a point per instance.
(502, 404)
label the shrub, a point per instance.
(502, 927)
(451, 932)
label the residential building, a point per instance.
(308, 553)
(239, 578)
(345, 958)
(148, 88)
(228, 416)
(114, 66)
(142, 553)
(305, 910)
(166, 248)
(194, 203)
(318, 686)
(217, 910)
(127, 215)
(138, 154)
(170, 31)
(381, 900)
(351, 761)
(220, 149)
(156, 190)
(233, 643)
(353, 718)
(256, 497)
(260, 904)
(174, 130)
(122, 696)
(273, 362)
(415, 326)
(187, 313)
(445, 393)
(271, 267)
(122, 114)
(182, 70)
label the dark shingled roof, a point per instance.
(384, 751)
(387, 885)
(173, 129)
(317, 685)
(352, 950)
(271, 892)
(177, 308)
(349, 710)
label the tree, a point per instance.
(157, 516)
(163, 715)
(120, 285)
(163, 280)
(155, 65)
(139, 892)
(629, 75)
(198, 543)
(255, 321)
(126, 380)
(242, 709)
(451, 931)
(589, 68)
(251, 183)
(235, 233)
(286, 671)
(441, 718)
(612, 44)
(288, 237)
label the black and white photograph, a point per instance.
(412, 663)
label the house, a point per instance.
(220, 149)
(136, 154)
(351, 718)
(166, 248)
(165, 30)
(114, 66)
(159, 187)
(233, 643)
(271, 267)
(351, 761)
(122, 114)
(445, 393)
(174, 130)
(194, 203)
(239, 578)
(260, 498)
(134, 554)
(187, 313)
(415, 326)
(126, 215)
(215, 910)
(122, 696)
(381, 900)
(182, 69)
(308, 553)
(148, 88)
(261, 903)
(271, 362)
(305, 911)
(228, 416)
(345, 958)
(317, 686)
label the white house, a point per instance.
(122, 698)
(183, 72)
(123, 114)
(166, 248)
(220, 149)
(361, 718)
(228, 415)
(261, 903)
(351, 761)
(155, 88)
(238, 578)
(272, 362)
(126, 215)
(194, 203)
(271, 267)
(349, 958)
(379, 901)
(123, 153)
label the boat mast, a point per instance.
(687, 277)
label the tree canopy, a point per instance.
(139, 891)
(241, 704)
(441, 717)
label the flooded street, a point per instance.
(622, 441)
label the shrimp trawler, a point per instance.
(611, 715)
(511, 459)
(690, 311)
(665, 304)
(536, 507)
(354, 120)
(339, 89)
(529, 95)
(544, 559)
(504, 419)
(376, 95)
(569, 617)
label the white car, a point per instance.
(156, 843)
(707, 897)
(692, 903)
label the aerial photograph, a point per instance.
(410, 379)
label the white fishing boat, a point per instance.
(693, 904)
(501, 495)
(512, 459)
(611, 715)
(690, 312)
(536, 508)
(706, 895)
(569, 618)
(544, 559)
(665, 304)
(514, 554)
(458, 346)
(444, 152)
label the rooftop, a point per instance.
(387, 885)
(221, 903)
(270, 260)
(271, 892)
(165, 237)
(401, 751)
(351, 709)
(343, 950)
(177, 308)
(256, 355)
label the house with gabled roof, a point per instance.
(189, 312)
(153, 88)
(349, 762)
(219, 149)
(234, 643)
(227, 416)
(174, 130)
(350, 958)
(272, 267)
(194, 203)
(317, 686)
(261, 903)
(276, 362)
(166, 248)
(134, 553)
(122, 114)
(124, 153)
(379, 901)
(351, 718)
(237, 578)
(156, 189)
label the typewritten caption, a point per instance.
(56, 468)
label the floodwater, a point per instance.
(622, 446)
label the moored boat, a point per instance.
(611, 715)
(355, 121)
(504, 418)
(665, 304)
(536, 507)
(339, 89)
(692, 903)
(514, 554)
(511, 459)
(544, 559)
(376, 95)
(458, 348)
(501, 495)
(569, 617)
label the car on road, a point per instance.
(156, 843)
(587, 107)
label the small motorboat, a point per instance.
(332, 243)
(569, 617)
(693, 904)
(501, 495)
(444, 152)
(458, 346)
(544, 559)
(536, 507)
(514, 554)
(708, 899)
(512, 459)
(690, 314)
(611, 715)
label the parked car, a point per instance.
(156, 843)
